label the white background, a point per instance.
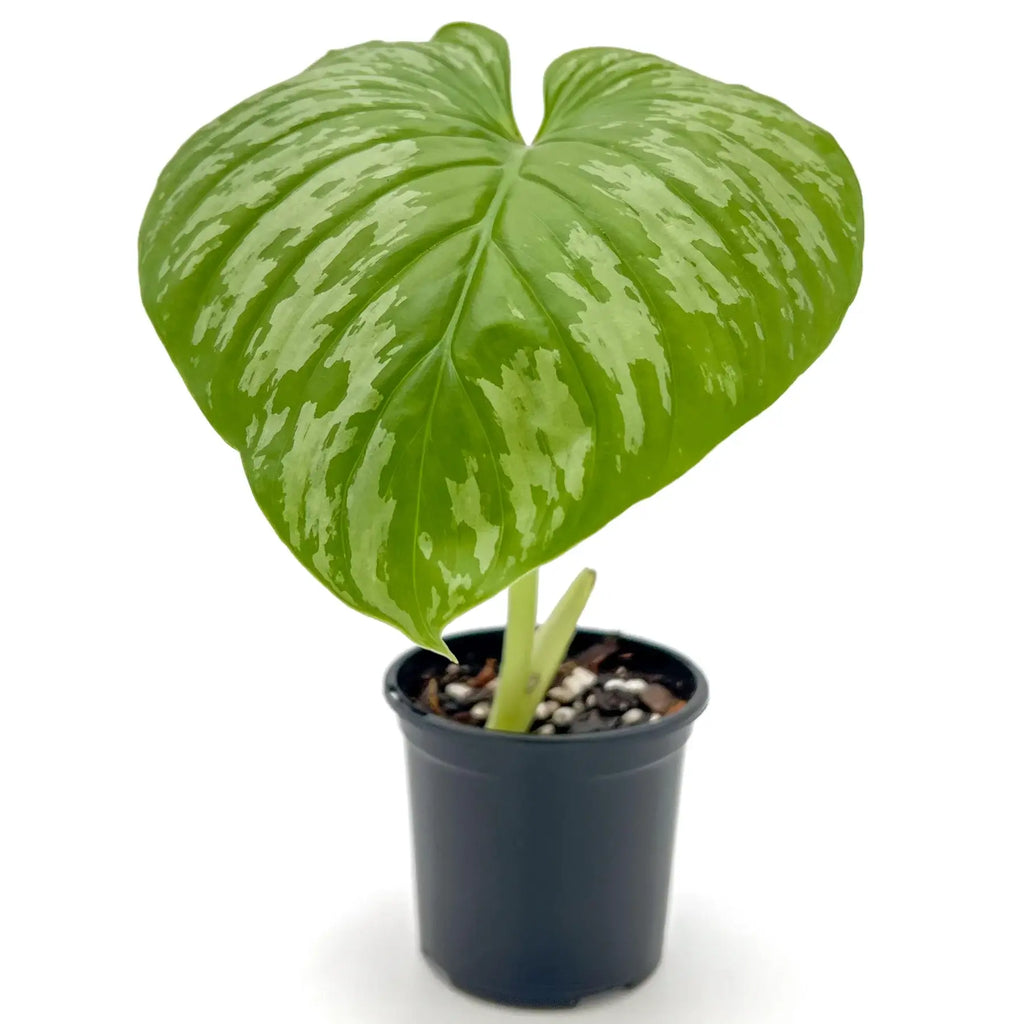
(202, 793)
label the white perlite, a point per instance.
(459, 691)
(632, 716)
(635, 686)
(545, 709)
(579, 680)
(563, 716)
(574, 685)
(481, 710)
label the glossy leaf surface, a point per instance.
(446, 356)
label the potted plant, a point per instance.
(445, 357)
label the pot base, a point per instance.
(532, 999)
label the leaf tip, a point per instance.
(438, 646)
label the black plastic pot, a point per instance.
(542, 862)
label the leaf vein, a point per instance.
(317, 237)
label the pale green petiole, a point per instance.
(531, 658)
(514, 682)
(552, 640)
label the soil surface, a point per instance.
(593, 691)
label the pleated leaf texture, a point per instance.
(447, 356)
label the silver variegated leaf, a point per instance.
(447, 356)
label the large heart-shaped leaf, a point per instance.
(447, 356)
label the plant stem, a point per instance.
(552, 640)
(512, 711)
(531, 659)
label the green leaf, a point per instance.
(447, 356)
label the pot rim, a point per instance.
(403, 706)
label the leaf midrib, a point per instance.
(486, 230)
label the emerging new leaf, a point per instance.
(447, 356)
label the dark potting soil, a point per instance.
(593, 691)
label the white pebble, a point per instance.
(545, 709)
(631, 717)
(579, 680)
(563, 716)
(616, 684)
(481, 710)
(546, 730)
(459, 691)
(591, 701)
(561, 694)
(654, 717)
(635, 686)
